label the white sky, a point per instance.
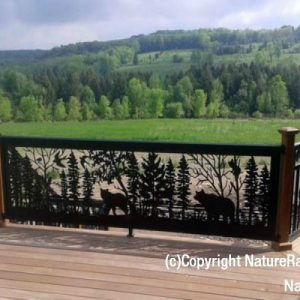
(43, 24)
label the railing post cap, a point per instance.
(288, 130)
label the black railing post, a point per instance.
(130, 218)
(285, 189)
(130, 231)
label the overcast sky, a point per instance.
(43, 24)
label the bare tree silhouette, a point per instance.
(110, 165)
(211, 169)
(237, 183)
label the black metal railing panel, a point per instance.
(295, 215)
(228, 190)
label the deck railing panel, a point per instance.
(228, 190)
(295, 215)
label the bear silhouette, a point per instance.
(114, 200)
(216, 206)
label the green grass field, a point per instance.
(188, 130)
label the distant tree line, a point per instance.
(219, 40)
(80, 81)
(212, 91)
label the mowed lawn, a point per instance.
(187, 130)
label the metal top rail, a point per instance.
(142, 146)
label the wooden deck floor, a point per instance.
(56, 264)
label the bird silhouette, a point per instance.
(58, 160)
(235, 168)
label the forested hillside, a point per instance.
(193, 74)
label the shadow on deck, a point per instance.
(145, 243)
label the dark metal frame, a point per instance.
(295, 209)
(271, 151)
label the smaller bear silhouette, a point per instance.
(216, 206)
(114, 200)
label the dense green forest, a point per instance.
(205, 73)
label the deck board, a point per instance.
(95, 271)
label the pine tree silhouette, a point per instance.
(183, 184)
(87, 187)
(152, 181)
(64, 185)
(264, 193)
(15, 178)
(73, 179)
(170, 186)
(133, 184)
(64, 190)
(251, 185)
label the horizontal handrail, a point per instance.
(143, 146)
